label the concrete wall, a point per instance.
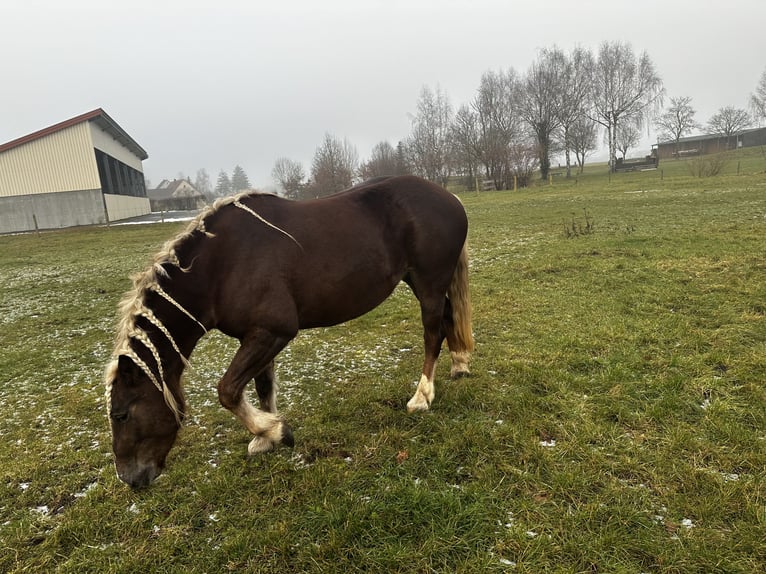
(51, 210)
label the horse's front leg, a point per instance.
(254, 360)
(266, 386)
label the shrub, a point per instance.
(707, 166)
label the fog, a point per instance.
(215, 84)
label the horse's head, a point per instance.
(144, 427)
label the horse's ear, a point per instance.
(126, 368)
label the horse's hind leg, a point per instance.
(254, 359)
(459, 355)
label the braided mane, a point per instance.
(133, 304)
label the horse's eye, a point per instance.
(119, 417)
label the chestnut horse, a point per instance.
(260, 268)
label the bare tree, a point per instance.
(582, 137)
(577, 86)
(625, 88)
(202, 183)
(467, 140)
(758, 99)
(523, 160)
(430, 144)
(541, 100)
(289, 175)
(499, 124)
(628, 135)
(729, 122)
(383, 161)
(333, 167)
(678, 120)
(403, 166)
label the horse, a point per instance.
(259, 268)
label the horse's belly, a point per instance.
(328, 307)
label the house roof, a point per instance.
(99, 117)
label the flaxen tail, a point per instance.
(461, 344)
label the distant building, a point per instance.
(83, 171)
(176, 195)
(713, 143)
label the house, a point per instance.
(83, 171)
(176, 195)
(711, 143)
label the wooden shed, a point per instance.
(83, 171)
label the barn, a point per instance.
(83, 171)
(711, 143)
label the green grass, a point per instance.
(615, 420)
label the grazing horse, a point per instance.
(260, 268)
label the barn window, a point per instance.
(118, 178)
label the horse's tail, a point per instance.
(459, 295)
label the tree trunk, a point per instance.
(545, 161)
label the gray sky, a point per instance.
(217, 83)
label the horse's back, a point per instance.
(406, 202)
(338, 257)
(434, 219)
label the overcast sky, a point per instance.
(212, 84)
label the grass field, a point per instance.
(615, 420)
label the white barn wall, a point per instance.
(59, 162)
(124, 206)
(107, 144)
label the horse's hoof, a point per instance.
(417, 404)
(423, 396)
(459, 373)
(287, 436)
(258, 445)
(460, 362)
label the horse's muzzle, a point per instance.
(138, 476)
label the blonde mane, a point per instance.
(133, 304)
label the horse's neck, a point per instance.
(176, 332)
